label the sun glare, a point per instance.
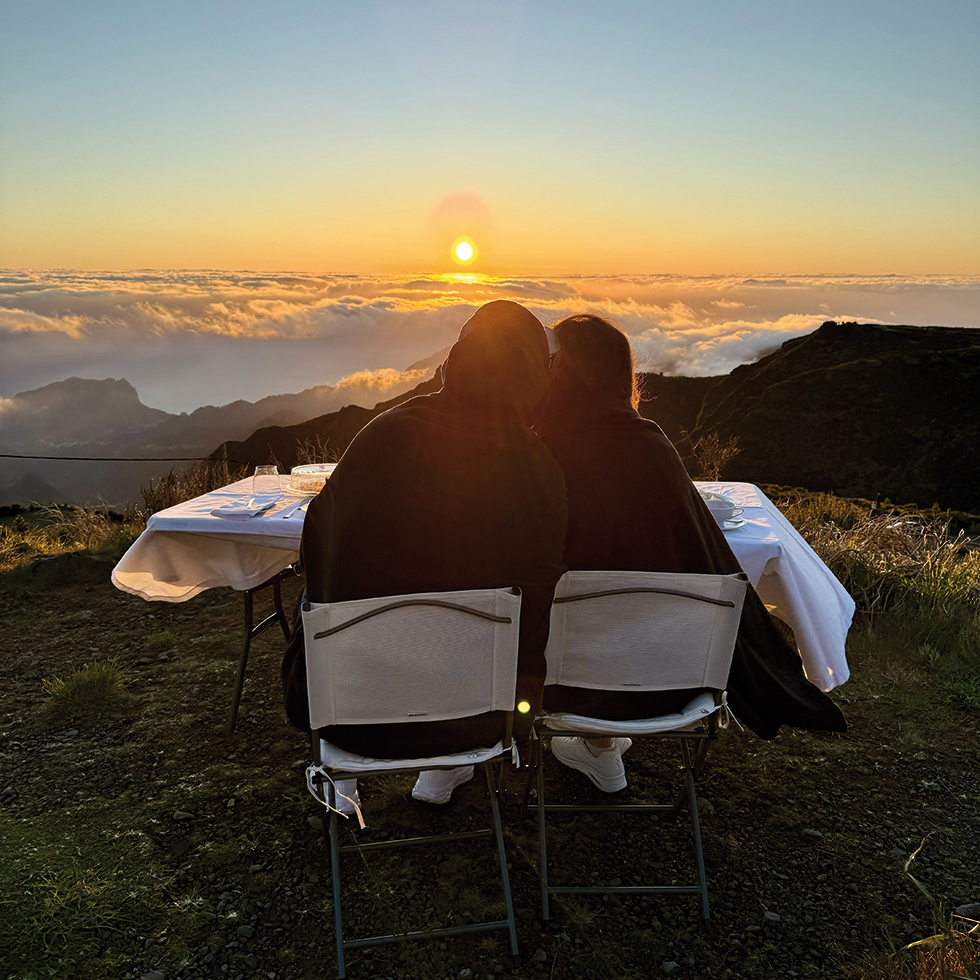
(464, 251)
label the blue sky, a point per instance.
(630, 137)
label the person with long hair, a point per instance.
(633, 507)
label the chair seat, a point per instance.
(701, 706)
(336, 758)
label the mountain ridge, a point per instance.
(855, 409)
(105, 418)
(832, 411)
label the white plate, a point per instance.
(734, 523)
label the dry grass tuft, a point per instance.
(59, 530)
(78, 528)
(713, 455)
(314, 450)
(198, 478)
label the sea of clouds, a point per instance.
(187, 339)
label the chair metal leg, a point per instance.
(542, 831)
(502, 855)
(695, 824)
(329, 793)
(338, 916)
(531, 769)
(692, 758)
(698, 764)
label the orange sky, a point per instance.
(623, 138)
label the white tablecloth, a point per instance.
(185, 550)
(793, 582)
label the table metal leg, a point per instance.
(251, 631)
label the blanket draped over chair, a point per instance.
(632, 506)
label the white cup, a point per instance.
(722, 509)
(265, 482)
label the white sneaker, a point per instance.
(437, 785)
(347, 796)
(603, 766)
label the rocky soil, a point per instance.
(206, 847)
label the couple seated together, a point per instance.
(527, 464)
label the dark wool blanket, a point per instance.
(632, 505)
(446, 492)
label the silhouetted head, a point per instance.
(500, 360)
(595, 359)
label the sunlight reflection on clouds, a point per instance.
(183, 333)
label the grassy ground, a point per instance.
(135, 836)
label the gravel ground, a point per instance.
(805, 836)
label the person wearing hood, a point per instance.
(445, 492)
(633, 507)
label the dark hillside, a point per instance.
(330, 434)
(861, 410)
(674, 402)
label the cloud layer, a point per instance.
(186, 339)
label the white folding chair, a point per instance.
(640, 631)
(405, 659)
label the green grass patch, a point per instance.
(68, 892)
(916, 633)
(93, 691)
(160, 641)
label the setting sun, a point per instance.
(464, 251)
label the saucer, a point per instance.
(734, 523)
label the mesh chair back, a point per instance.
(643, 631)
(423, 657)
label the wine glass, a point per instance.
(265, 482)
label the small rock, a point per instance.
(246, 932)
(316, 823)
(465, 974)
(183, 815)
(154, 975)
(69, 734)
(773, 917)
(971, 911)
(897, 852)
(230, 802)
(812, 832)
(251, 961)
(540, 957)
(671, 966)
